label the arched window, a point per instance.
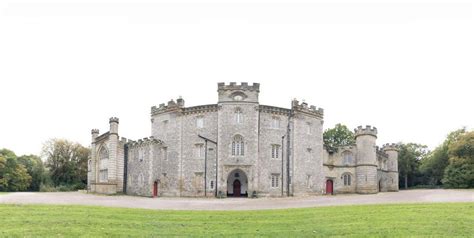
(103, 164)
(89, 165)
(238, 116)
(347, 179)
(238, 146)
(347, 156)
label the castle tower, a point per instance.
(366, 166)
(113, 156)
(392, 151)
(91, 170)
(238, 118)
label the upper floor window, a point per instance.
(347, 179)
(140, 155)
(89, 165)
(200, 122)
(165, 125)
(199, 150)
(275, 122)
(275, 151)
(103, 164)
(238, 146)
(238, 116)
(347, 157)
(308, 153)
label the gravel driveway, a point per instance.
(80, 198)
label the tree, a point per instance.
(460, 171)
(34, 166)
(434, 165)
(338, 136)
(409, 160)
(13, 175)
(67, 162)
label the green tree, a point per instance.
(34, 166)
(434, 165)
(460, 171)
(338, 136)
(67, 162)
(409, 161)
(13, 175)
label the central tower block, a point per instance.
(366, 166)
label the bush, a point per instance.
(61, 188)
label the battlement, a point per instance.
(380, 153)
(244, 86)
(368, 130)
(170, 106)
(303, 107)
(114, 119)
(388, 146)
(145, 141)
(95, 131)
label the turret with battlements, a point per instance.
(237, 93)
(392, 181)
(366, 166)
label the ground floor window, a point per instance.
(211, 184)
(347, 179)
(275, 180)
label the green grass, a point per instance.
(3, 193)
(441, 219)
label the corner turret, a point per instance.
(392, 151)
(366, 166)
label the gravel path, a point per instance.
(79, 198)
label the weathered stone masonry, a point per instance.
(250, 157)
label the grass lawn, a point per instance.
(3, 193)
(439, 219)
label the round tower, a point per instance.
(366, 166)
(392, 151)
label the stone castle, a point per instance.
(238, 147)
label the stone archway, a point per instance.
(237, 184)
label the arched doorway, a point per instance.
(237, 184)
(329, 186)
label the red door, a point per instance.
(329, 186)
(236, 188)
(155, 189)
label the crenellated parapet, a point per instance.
(171, 106)
(274, 110)
(305, 108)
(200, 109)
(113, 119)
(242, 86)
(381, 152)
(390, 147)
(368, 130)
(143, 142)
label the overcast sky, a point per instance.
(66, 66)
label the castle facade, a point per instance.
(238, 148)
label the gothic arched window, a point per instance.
(238, 146)
(238, 117)
(347, 179)
(103, 164)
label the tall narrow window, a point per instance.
(238, 116)
(211, 185)
(165, 125)
(275, 151)
(200, 122)
(347, 179)
(238, 146)
(164, 150)
(275, 180)
(199, 150)
(275, 123)
(308, 153)
(103, 164)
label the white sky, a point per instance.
(66, 66)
